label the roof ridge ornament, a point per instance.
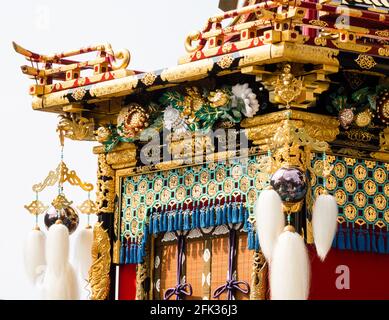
(57, 71)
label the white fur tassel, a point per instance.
(34, 254)
(324, 223)
(60, 281)
(83, 252)
(270, 220)
(289, 268)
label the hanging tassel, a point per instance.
(229, 213)
(131, 253)
(60, 281)
(234, 213)
(135, 253)
(202, 218)
(83, 252)
(34, 254)
(270, 220)
(256, 242)
(381, 243)
(354, 240)
(361, 241)
(212, 216)
(163, 220)
(225, 214)
(179, 220)
(140, 255)
(128, 253)
(151, 230)
(186, 221)
(122, 254)
(341, 245)
(241, 213)
(197, 215)
(374, 242)
(348, 240)
(334, 242)
(207, 214)
(175, 219)
(219, 219)
(170, 223)
(155, 224)
(324, 223)
(368, 247)
(387, 243)
(246, 217)
(250, 240)
(145, 234)
(289, 269)
(193, 219)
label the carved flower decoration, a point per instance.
(346, 117)
(132, 120)
(243, 93)
(173, 121)
(218, 98)
(103, 134)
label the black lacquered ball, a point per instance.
(290, 184)
(68, 216)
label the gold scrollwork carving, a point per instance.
(319, 23)
(148, 79)
(105, 193)
(258, 288)
(61, 175)
(384, 51)
(99, 279)
(225, 62)
(365, 61)
(141, 275)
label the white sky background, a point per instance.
(153, 30)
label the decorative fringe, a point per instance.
(151, 225)
(361, 240)
(212, 216)
(219, 219)
(354, 240)
(374, 242)
(341, 245)
(186, 221)
(234, 214)
(289, 268)
(381, 243)
(155, 224)
(246, 222)
(225, 214)
(202, 218)
(387, 243)
(241, 213)
(179, 220)
(170, 223)
(270, 220)
(229, 213)
(128, 253)
(122, 258)
(348, 240)
(367, 244)
(34, 254)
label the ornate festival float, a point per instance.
(232, 174)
